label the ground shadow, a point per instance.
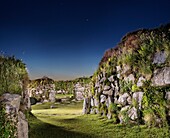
(39, 129)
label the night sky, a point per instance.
(65, 39)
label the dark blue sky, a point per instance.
(65, 39)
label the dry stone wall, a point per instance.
(132, 82)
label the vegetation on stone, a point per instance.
(137, 75)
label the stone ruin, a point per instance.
(43, 90)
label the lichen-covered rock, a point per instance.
(130, 78)
(123, 99)
(79, 96)
(126, 69)
(132, 113)
(159, 57)
(118, 68)
(106, 88)
(96, 102)
(108, 92)
(22, 126)
(52, 96)
(102, 98)
(12, 102)
(111, 78)
(140, 81)
(137, 96)
(161, 77)
(86, 106)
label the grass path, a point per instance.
(67, 121)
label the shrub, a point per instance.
(13, 75)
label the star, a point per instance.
(86, 19)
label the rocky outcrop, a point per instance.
(42, 89)
(133, 79)
(13, 105)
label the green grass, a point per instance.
(67, 121)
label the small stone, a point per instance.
(106, 88)
(123, 99)
(118, 68)
(102, 98)
(138, 97)
(140, 81)
(132, 113)
(130, 78)
(111, 78)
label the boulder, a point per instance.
(161, 77)
(159, 57)
(86, 106)
(52, 96)
(22, 126)
(123, 99)
(11, 102)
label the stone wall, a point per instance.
(133, 80)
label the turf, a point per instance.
(67, 121)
